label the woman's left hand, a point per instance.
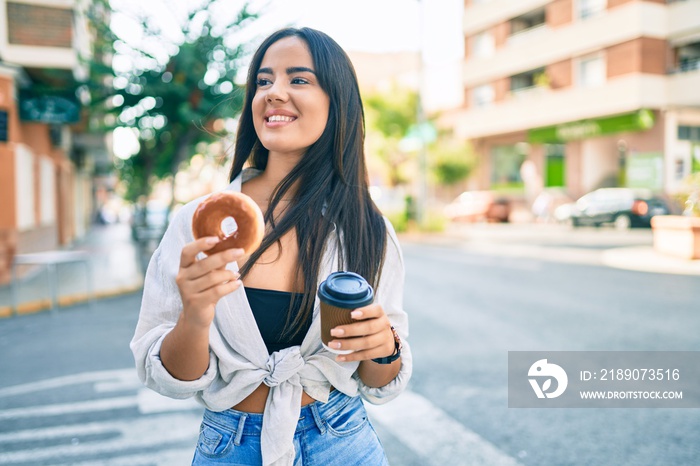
(370, 337)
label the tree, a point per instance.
(452, 161)
(391, 116)
(172, 104)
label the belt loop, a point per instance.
(317, 418)
(239, 430)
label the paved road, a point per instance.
(469, 309)
(68, 394)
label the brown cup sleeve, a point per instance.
(331, 317)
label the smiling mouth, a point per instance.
(279, 119)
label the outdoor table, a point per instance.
(51, 259)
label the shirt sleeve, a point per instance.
(389, 294)
(160, 309)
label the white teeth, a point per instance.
(275, 118)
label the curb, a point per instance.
(634, 258)
(646, 259)
(33, 307)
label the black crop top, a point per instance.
(270, 309)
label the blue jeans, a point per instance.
(336, 433)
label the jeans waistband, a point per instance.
(312, 415)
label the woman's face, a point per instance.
(290, 110)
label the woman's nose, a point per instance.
(277, 92)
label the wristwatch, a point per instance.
(397, 350)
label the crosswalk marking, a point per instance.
(434, 435)
(171, 457)
(67, 380)
(70, 408)
(161, 436)
(166, 430)
(132, 434)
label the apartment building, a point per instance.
(581, 94)
(46, 166)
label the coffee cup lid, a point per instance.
(346, 290)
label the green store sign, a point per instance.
(636, 121)
(61, 108)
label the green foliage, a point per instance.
(390, 116)
(394, 113)
(451, 162)
(173, 105)
(392, 120)
(398, 221)
(434, 222)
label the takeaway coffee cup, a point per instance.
(340, 294)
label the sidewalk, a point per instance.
(116, 263)
(629, 250)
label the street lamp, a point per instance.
(421, 123)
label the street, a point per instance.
(69, 395)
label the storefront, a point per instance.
(620, 150)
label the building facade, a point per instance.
(581, 94)
(46, 162)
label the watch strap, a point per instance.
(397, 350)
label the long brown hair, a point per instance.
(333, 183)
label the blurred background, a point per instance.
(548, 148)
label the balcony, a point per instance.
(624, 94)
(528, 34)
(548, 46)
(484, 15)
(34, 35)
(683, 21)
(683, 88)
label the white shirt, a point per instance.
(238, 359)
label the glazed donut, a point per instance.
(232, 216)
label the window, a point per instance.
(688, 133)
(483, 95)
(505, 168)
(589, 8)
(483, 45)
(591, 71)
(688, 57)
(527, 21)
(527, 80)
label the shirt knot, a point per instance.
(283, 365)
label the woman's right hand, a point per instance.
(203, 282)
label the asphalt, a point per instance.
(118, 263)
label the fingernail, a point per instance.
(336, 345)
(337, 332)
(356, 314)
(341, 359)
(212, 240)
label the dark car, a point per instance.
(149, 221)
(622, 207)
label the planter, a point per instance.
(677, 235)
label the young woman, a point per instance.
(242, 333)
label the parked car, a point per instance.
(622, 207)
(149, 221)
(474, 206)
